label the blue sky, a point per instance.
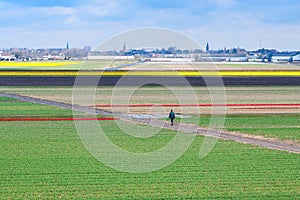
(222, 23)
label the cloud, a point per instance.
(39, 3)
(53, 11)
(72, 20)
(224, 3)
(223, 22)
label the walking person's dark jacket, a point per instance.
(172, 117)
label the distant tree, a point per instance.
(196, 57)
(234, 51)
(172, 49)
(18, 55)
(270, 57)
(138, 57)
(178, 51)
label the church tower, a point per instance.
(207, 47)
(124, 47)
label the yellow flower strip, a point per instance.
(38, 64)
(150, 73)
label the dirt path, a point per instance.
(270, 143)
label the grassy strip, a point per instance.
(38, 112)
(6, 99)
(12, 109)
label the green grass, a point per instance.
(46, 160)
(6, 99)
(19, 108)
(15, 108)
(282, 126)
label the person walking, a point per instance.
(172, 117)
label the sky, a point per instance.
(248, 24)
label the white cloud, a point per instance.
(95, 11)
(72, 20)
(52, 11)
(224, 3)
(221, 22)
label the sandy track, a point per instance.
(270, 143)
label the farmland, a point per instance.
(148, 95)
(132, 65)
(278, 122)
(47, 159)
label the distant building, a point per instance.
(282, 58)
(255, 57)
(296, 58)
(124, 47)
(7, 58)
(222, 58)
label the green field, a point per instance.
(14, 108)
(46, 160)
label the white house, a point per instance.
(7, 58)
(296, 58)
(281, 58)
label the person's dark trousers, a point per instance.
(172, 120)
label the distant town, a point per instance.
(151, 54)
